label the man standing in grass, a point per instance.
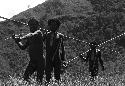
(34, 42)
(93, 57)
(54, 50)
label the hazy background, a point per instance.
(9, 8)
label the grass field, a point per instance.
(71, 79)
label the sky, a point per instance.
(9, 8)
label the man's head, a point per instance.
(53, 24)
(33, 24)
(93, 45)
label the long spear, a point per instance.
(58, 17)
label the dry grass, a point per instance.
(69, 79)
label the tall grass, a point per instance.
(68, 79)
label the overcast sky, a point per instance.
(9, 8)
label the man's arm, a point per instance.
(19, 43)
(26, 36)
(63, 50)
(100, 60)
(32, 34)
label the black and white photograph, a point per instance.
(62, 43)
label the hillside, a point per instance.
(83, 21)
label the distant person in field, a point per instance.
(54, 50)
(93, 57)
(34, 43)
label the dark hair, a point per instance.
(33, 24)
(54, 24)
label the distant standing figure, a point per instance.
(34, 42)
(93, 57)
